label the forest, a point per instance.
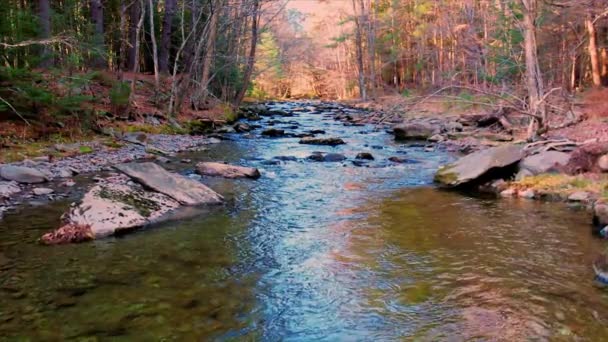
(79, 63)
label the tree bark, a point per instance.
(359, 53)
(251, 59)
(154, 46)
(593, 52)
(209, 53)
(165, 42)
(44, 16)
(99, 59)
(534, 80)
(134, 17)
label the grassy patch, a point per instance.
(565, 184)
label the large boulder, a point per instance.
(182, 189)
(548, 161)
(117, 204)
(112, 206)
(414, 131)
(330, 141)
(226, 170)
(478, 164)
(22, 174)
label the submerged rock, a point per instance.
(401, 160)
(364, 156)
(273, 132)
(327, 157)
(478, 164)
(242, 127)
(330, 141)
(22, 174)
(180, 188)
(227, 170)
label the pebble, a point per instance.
(529, 193)
(42, 191)
(579, 196)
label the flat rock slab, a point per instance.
(182, 189)
(330, 141)
(477, 164)
(113, 205)
(226, 170)
(22, 174)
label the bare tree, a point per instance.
(165, 41)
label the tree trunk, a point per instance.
(134, 17)
(44, 16)
(251, 59)
(99, 57)
(136, 43)
(593, 52)
(209, 53)
(165, 42)
(359, 53)
(154, 47)
(534, 80)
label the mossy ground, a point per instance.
(142, 205)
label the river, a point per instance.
(327, 251)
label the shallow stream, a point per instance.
(313, 251)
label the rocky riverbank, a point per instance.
(495, 160)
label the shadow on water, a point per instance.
(313, 251)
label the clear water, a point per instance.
(314, 251)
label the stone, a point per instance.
(413, 131)
(579, 196)
(7, 189)
(329, 141)
(478, 164)
(548, 161)
(69, 183)
(401, 160)
(138, 138)
(42, 191)
(510, 192)
(600, 213)
(602, 163)
(453, 126)
(110, 207)
(180, 188)
(241, 127)
(437, 138)
(273, 132)
(528, 193)
(162, 160)
(334, 157)
(22, 174)
(365, 156)
(64, 173)
(226, 170)
(225, 129)
(326, 157)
